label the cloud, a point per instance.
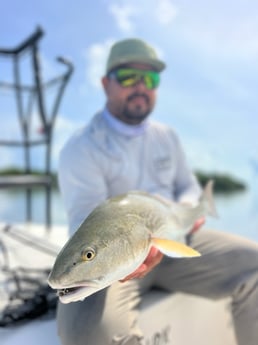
(166, 12)
(130, 17)
(229, 34)
(123, 16)
(96, 56)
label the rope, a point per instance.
(28, 294)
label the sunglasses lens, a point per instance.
(127, 77)
(127, 81)
(151, 80)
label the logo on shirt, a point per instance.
(163, 163)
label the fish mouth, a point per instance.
(76, 293)
(68, 291)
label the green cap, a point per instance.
(133, 50)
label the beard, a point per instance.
(136, 113)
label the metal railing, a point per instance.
(37, 94)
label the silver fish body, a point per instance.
(116, 238)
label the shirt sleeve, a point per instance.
(81, 181)
(187, 188)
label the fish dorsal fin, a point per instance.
(165, 201)
(174, 249)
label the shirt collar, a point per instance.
(124, 128)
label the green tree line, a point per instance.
(223, 183)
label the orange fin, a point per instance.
(174, 249)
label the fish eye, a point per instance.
(88, 254)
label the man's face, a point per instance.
(129, 104)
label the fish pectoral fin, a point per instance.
(174, 249)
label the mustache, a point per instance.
(138, 94)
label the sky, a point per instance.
(208, 93)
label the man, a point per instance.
(121, 149)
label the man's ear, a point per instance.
(105, 82)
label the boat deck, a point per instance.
(165, 319)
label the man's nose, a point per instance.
(140, 85)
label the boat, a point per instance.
(165, 318)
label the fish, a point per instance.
(116, 237)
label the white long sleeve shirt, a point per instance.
(108, 157)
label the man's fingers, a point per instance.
(154, 257)
(139, 273)
(197, 225)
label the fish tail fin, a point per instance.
(207, 199)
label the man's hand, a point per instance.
(197, 225)
(154, 257)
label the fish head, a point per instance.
(91, 261)
(76, 273)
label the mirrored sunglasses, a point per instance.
(127, 77)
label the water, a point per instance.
(238, 213)
(13, 207)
